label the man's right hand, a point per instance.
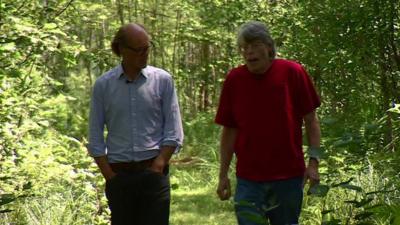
(224, 188)
(104, 167)
(110, 176)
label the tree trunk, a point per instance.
(120, 9)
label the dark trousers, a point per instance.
(139, 197)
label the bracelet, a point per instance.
(314, 152)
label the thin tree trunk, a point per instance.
(130, 11)
(89, 63)
(176, 41)
(205, 52)
(384, 62)
(136, 10)
(120, 9)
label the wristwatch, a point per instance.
(315, 158)
(314, 153)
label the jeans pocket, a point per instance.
(110, 183)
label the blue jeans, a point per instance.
(274, 202)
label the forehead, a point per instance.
(251, 42)
(137, 38)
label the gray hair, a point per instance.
(256, 31)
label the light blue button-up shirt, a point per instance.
(140, 116)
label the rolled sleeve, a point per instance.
(172, 131)
(96, 146)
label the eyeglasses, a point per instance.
(141, 50)
(254, 45)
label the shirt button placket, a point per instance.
(133, 116)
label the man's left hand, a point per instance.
(311, 173)
(162, 159)
(158, 165)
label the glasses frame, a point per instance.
(253, 45)
(140, 50)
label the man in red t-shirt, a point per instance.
(262, 108)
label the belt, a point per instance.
(131, 166)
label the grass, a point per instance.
(194, 178)
(75, 195)
(195, 202)
(194, 198)
(200, 206)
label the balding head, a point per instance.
(125, 34)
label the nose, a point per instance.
(249, 53)
(248, 50)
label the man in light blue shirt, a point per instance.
(138, 106)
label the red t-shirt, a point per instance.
(268, 113)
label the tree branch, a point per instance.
(63, 10)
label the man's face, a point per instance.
(256, 55)
(135, 51)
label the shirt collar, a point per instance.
(120, 72)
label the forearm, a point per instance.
(313, 130)
(226, 158)
(313, 133)
(226, 150)
(166, 154)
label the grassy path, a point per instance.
(194, 201)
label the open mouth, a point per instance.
(252, 60)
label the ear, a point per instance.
(270, 52)
(120, 49)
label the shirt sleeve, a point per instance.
(97, 146)
(306, 97)
(172, 127)
(224, 114)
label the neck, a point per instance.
(131, 73)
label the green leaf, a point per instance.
(361, 203)
(364, 202)
(351, 187)
(27, 186)
(174, 186)
(331, 222)
(5, 178)
(6, 211)
(395, 109)
(378, 192)
(50, 26)
(343, 183)
(363, 215)
(6, 198)
(375, 206)
(8, 47)
(14, 73)
(44, 123)
(352, 202)
(329, 120)
(343, 142)
(327, 211)
(319, 190)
